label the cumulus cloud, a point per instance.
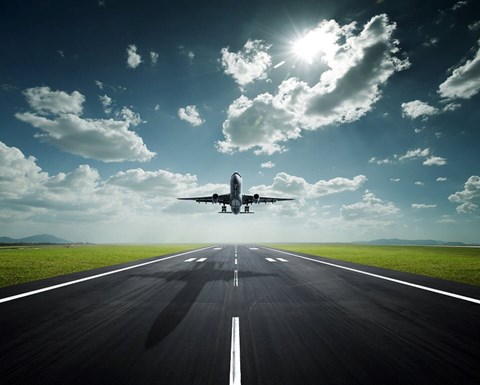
(268, 164)
(153, 58)
(107, 140)
(441, 179)
(285, 184)
(371, 208)
(357, 66)
(435, 161)
(417, 109)
(248, 64)
(133, 58)
(464, 82)
(106, 103)
(191, 115)
(45, 101)
(374, 160)
(82, 195)
(469, 197)
(459, 4)
(415, 154)
(422, 206)
(474, 26)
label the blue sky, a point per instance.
(365, 111)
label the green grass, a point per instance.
(460, 264)
(23, 264)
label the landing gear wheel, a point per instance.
(224, 209)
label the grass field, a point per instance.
(460, 264)
(23, 264)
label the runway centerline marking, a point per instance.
(253, 248)
(48, 288)
(236, 261)
(426, 288)
(235, 374)
(235, 278)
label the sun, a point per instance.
(307, 47)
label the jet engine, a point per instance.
(215, 198)
(256, 198)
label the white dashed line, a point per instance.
(235, 278)
(270, 260)
(217, 248)
(282, 260)
(253, 248)
(201, 259)
(235, 375)
(190, 260)
(236, 261)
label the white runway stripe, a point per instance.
(29, 293)
(426, 288)
(190, 259)
(253, 248)
(217, 248)
(235, 375)
(270, 260)
(201, 259)
(282, 260)
(235, 278)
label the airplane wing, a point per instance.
(215, 198)
(249, 199)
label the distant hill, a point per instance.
(41, 238)
(418, 242)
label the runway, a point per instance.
(240, 314)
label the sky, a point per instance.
(366, 112)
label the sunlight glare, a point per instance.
(306, 47)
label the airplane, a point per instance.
(235, 199)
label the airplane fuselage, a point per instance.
(236, 193)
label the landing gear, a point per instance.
(247, 209)
(224, 209)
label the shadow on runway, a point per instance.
(177, 309)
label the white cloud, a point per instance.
(422, 206)
(464, 82)
(106, 103)
(468, 197)
(249, 64)
(45, 101)
(267, 165)
(191, 115)
(415, 154)
(474, 26)
(133, 58)
(417, 108)
(431, 42)
(99, 84)
(419, 183)
(435, 161)
(358, 65)
(153, 58)
(370, 208)
(459, 4)
(27, 192)
(285, 184)
(107, 140)
(441, 179)
(394, 180)
(380, 161)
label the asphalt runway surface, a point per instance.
(240, 315)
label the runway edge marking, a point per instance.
(426, 288)
(48, 288)
(235, 374)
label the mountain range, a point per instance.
(41, 238)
